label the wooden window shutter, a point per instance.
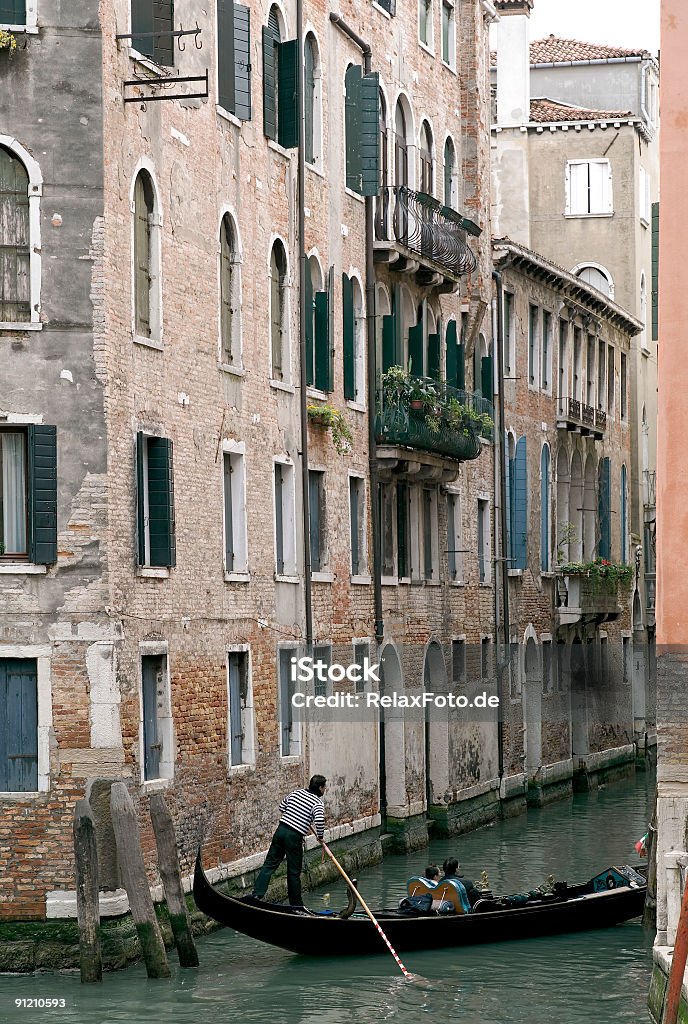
(389, 354)
(461, 366)
(142, 253)
(520, 538)
(323, 376)
(141, 455)
(288, 94)
(403, 498)
(655, 271)
(15, 284)
(279, 519)
(18, 725)
(310, 329)
(242, 62)
(353, 127)
(225, 54)
(508, 473)
(544, 510)
(161, 526)
(314, 482)
(355, 513)
(427, 534)
(604, 510)
(235, 727)
(277, 313)
(370, 134)
(229, 520)
(269, 84)
(415, 350)
(163, 21)
(486, 377)
(434, 355)
(142, 21)
(42, 493)
(309, 101)
(12, 12)
(451, 354)
(349, 328)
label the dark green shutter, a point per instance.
(279, 519)
(604, 509)
(269, 85)
(402, 531)
(308, 288)
(486, 377)
(461, 367)
(353, 128)
(520, 494)
(323, 376)
(161, 502)
(163, 22)
(370, 134)
(434, 356)
(225, 54)
(141, 21)
(288, 94)
(354, 512)
(415, 350)
(349, 327)
(451, 354)
(12, 12)
(140, 500)
(242, 62)
(655, 271)
(42, 493)
(389, 352)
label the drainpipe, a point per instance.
(500, 445)
(371, 320)
(303, 313)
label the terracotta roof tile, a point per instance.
(554, 50)
(547, 111)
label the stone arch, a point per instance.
(392, 738)
(576, 508)
(563, 518)
(436, 727)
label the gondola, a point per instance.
(613, 896)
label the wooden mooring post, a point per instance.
(130, 857)
(87, 909)
(168, 865)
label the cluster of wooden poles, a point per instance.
(131, 864)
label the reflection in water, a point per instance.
(592, 978)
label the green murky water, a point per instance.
(599, 977)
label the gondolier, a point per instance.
(300, 812)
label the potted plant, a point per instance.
(8, 42)
(333, 420)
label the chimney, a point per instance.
(511, 37)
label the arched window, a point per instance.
(623, 515)
(279, 324)
(451, 198)
(576, 509)
(312, 78)
(382, 200)
(230, 295)
(280, 83)
(318, 356)
(384, 331)
(353, 339)
(147, 319)
(401, 160)
(589, 517)
(426, 159)
(604, 505)
(597, 277)
(563, 523)
(545, 511)
(20, 245)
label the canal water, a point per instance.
(598, 977)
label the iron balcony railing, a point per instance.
(421, 224)
(434, 417)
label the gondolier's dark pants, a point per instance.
(286, 842)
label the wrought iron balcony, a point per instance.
(413, 230)
(569, 413)
(600, 421)
(428, 415)
(588, 417)
(583, 419)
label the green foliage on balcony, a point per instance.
(606, 576)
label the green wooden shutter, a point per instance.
(242, 62)
(354, 513)
(308, 288)
(451, 354)
(434, 356)
(288, 94)
(349, 327)
(604, 509)
(388, 342)
(279, 519)
(322, 342)
(140, 500)
(161, 527)
(415, 350)
(141, 21)
(269, 85)
(42, 455)
(486, 377)
(18, 725)
(12, 12)
(163, 21)
(461, 367)
(402, 531)
(229, 521)
(370, 134)
(520, 536)
(353, 128)
(225, 54)
(655, 271)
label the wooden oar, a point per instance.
(342, 872)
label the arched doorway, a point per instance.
(436, 727)
(392, 741)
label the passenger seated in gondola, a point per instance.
(432, 872)
(451, 874)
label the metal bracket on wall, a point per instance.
(168, 34)
(167, 83)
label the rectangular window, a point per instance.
(590, 386)
(236, 547)
(280, 87)
(624, 387)
(388, 529)
(601, 372)
(322, 653)
(425, 22)
(403, 545)
(533, 344)
(430, 534)
(547, 667)
(483, 540)
(13, 12)
(645, 202)
(588, 188)
(458, 661)
(157, 717)
(357, 525)
(152, 25)
(388, 5)
(611, 372)
(361, 652)
(509, 336)
(316, 505)
(577, 373)
(546, 359)
(18, 725)
(448, 34)
(241, 750)
(290, 731)
(155, 501)
(13, 494)
(285, 526)
(454, 537)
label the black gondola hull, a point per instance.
(322, 935)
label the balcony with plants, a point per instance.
(591, 591)
(429, 415)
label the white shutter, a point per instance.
(578, 188)
(597, 187)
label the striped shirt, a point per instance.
(301, 809)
